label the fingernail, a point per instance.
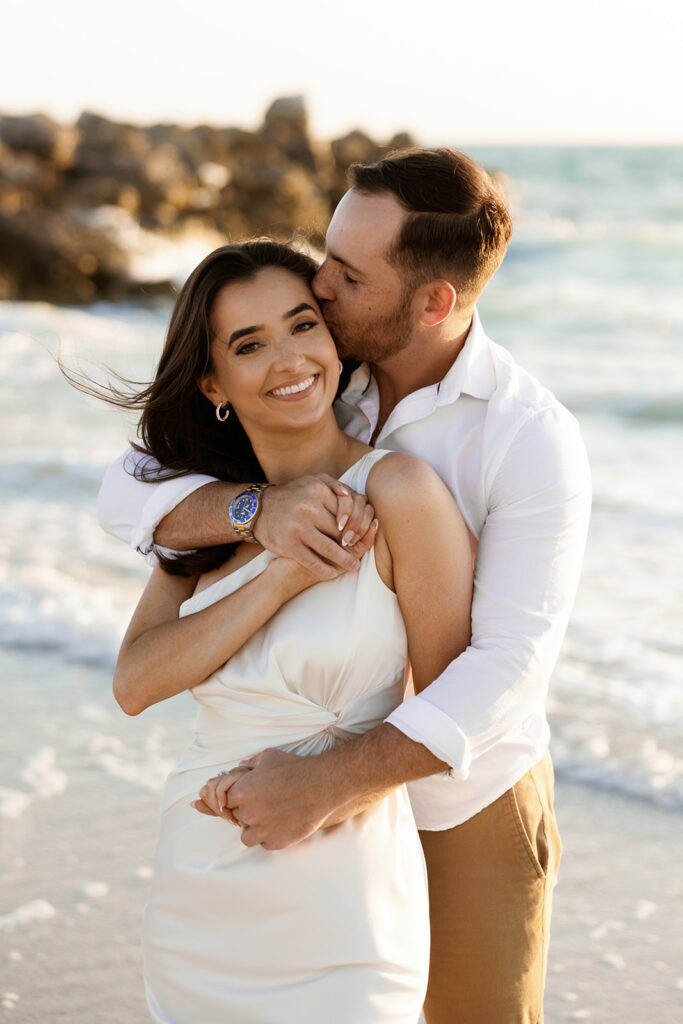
(349, 539)
(342, 490)
(375, 523)
(356, 565)
(342, 523)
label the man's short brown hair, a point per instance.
(458, 225)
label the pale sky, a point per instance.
(484, 71)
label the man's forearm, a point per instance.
(354, 807)
(201, 520)
(304, 520)
(284, 798)
(375, 763)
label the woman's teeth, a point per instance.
(292, 389)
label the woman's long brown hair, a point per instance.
(178, 425)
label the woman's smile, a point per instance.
(296, 389)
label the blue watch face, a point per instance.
(243, 508)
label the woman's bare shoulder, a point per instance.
(410, 497)
(403, 478)
(421, 529)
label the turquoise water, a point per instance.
(589, 299)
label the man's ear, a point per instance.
(438, 299)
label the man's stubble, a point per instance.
(377, 338)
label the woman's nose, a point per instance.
(289, 355)
(321, 284)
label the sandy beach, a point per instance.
(78, 816)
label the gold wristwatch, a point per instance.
(244, 511)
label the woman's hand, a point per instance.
(212, 794)
(294, 578)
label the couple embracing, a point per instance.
(313, 535)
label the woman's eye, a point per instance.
(350, 280)
(249, 346)
(305, 325)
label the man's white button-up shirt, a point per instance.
(513, 459)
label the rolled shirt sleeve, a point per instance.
(130, 508)
(528, 564)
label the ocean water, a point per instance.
(590, 299)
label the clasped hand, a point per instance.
(318, 522)
(276, 798)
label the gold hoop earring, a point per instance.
(222, 413)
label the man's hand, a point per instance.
(319, 523)
(316, 521)
(279, 799)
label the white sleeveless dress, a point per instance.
(335, 928)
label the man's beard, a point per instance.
(376, 339)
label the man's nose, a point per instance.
(321, 283)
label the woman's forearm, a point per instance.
(175, 655)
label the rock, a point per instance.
(356, 147)
(38, 135)
(267, 200)
(119, 165)
(25, 180)
(402, 140)
(286, 123)
(98, 134)
(45, 256)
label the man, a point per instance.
(409, 249)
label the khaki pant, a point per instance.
(491, 881)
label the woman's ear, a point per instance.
(208, 388)
(438, 302)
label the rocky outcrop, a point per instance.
(40, 136)
(168, 180)
(50, 256)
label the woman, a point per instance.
(337, 925)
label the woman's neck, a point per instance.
(321, 449)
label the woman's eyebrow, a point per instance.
(299, 309)
(243, 331)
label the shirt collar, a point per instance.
(472, 373)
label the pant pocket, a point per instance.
(530, 822)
